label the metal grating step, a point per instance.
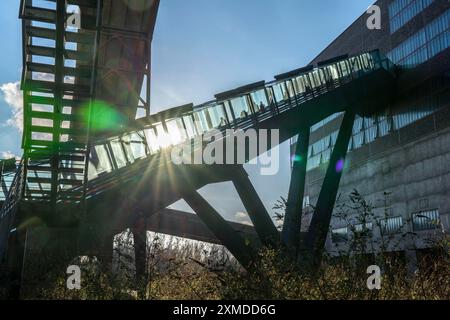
(51, 101)
(39, 32)
(82, 37)
(81, 3)
(49, 169)
(69, 131)
(79, 72)
(84, 56)
(49, 87)
(39, 14)
(50, 116)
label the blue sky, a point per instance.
(202, 47)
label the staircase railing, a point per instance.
(10, 207)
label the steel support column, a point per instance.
(220, 227)
(106, 253)
(261, 220)
(58, 95)
(318, 229)
(290, 234)
(140, 252)
(15, 259)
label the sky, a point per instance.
(200, 48)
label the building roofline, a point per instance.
(341, 34)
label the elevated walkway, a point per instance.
(131, 173)
(99, 179)
(140, 160)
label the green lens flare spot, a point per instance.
(103, 116)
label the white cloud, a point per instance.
(13, 97)
(8, 155)
(242, 217)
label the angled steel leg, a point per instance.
(140, 252)
(261, 220)
(15, 258)
(293, 216)
(318, 229)
(220, 227)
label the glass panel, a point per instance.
(189, 123)
(331, 73)
(260, 100)
(426, 220)
(358, 140)
(119, 156)
(391, 225)
(217, 116)
(229, 111)
(313, 162)
(152, 140)
(344, 68)
(339, 235)
(100, 159)
(270, 94)
(355, 66)
(301, 84)
(162, 136)
(315, 79)
(357, 125)
(240, 107)
(201, 121)
(363, 227)
(326, 156)
(290, 88)
(137, 145)
(334, 136)
(384, 126)
(176, 131)
(281, 93)
(127, 146)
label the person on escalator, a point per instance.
(223, 122)
(262, 107)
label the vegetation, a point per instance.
(180, 270)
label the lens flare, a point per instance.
(340, 165)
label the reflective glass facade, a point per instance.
(402, 11)
(391, 225)
(424, 44)
(426, 220)
(365, 130)
(339, 235)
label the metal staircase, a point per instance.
(58, 83)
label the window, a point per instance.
(384, 126)
(403, 119)
(313, 162)
(323, 122)
(363, 227)
(424, 44)
(391, 225)
(320, 151)
(339, 235)
(402, 11)
(426, 220)
(305, 201)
